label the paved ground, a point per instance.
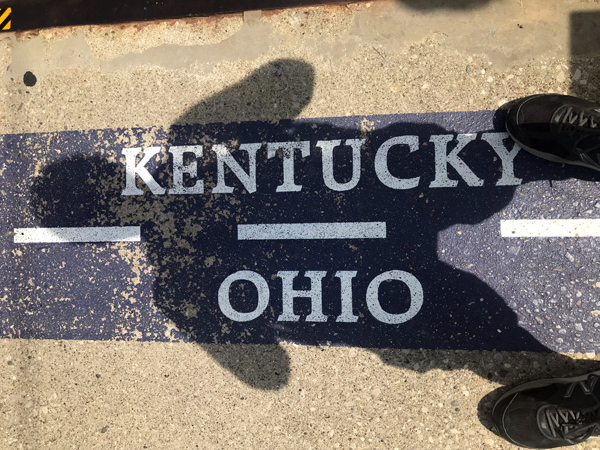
(106, 347)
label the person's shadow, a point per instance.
(191, 240)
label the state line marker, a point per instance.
(550, 228)
(76, 234)
(339, 230)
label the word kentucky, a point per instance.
(446, 148)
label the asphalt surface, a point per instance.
(445, 277)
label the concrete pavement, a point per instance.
(363, 59)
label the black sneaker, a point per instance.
(550, 413)
(558, 128)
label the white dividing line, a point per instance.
(339, 230)
(75, 234)
(550, 228)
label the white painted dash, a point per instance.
(337, 230)
(550, 228)
(76, 234)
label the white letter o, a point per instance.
(416, 297)
(263, 296)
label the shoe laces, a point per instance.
(573, 424)
(583, 122)
(582, 119)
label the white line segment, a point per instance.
(75, 234)
(550, 228)
(339, 230)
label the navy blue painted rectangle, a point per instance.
(441, 278)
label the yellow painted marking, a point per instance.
(4, 15)
(7, 26)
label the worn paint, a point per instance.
(441, 183)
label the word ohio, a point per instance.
(315, 294)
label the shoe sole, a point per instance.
(550, 156)
(541, 383)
